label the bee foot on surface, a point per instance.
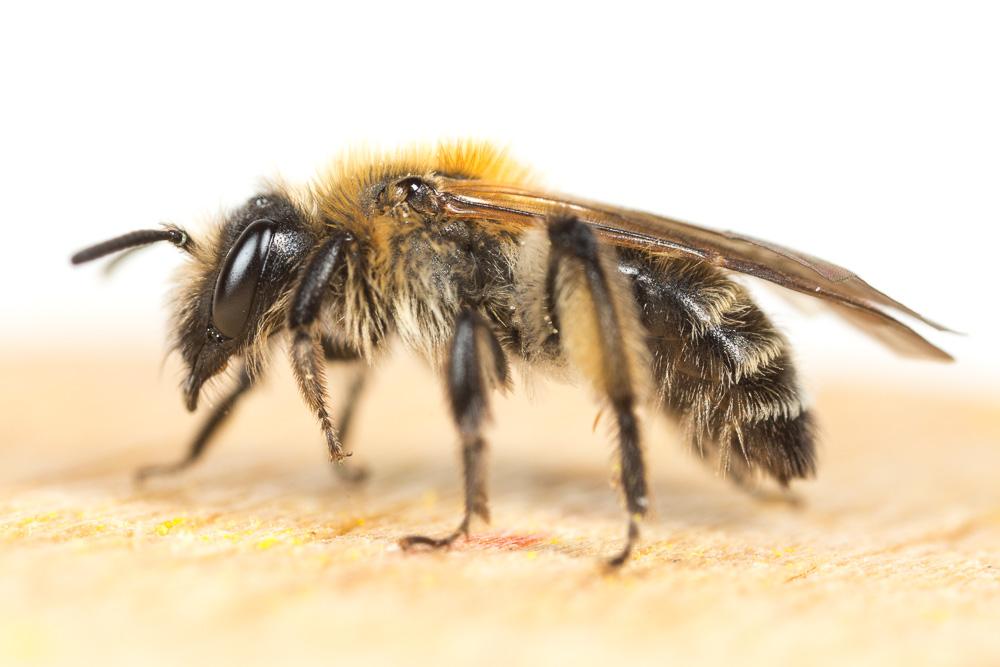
(351, 474)
(411, 542)
(144, 473)
(338, 455)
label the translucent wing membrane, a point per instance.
(860, 304)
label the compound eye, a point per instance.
(241, 272)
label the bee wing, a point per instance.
(852, 298)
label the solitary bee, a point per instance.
(454, 251)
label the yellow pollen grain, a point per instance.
(165, 527)
(266, 543)
(38, 518)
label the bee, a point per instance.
(456, 252)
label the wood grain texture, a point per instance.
(261, 555)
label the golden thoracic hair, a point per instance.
(344, 189)
(343, 194)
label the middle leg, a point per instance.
(476, 364)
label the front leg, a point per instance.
(343, 354)
(218, 417)
(476, 363)
(306, 347)
(222, 411)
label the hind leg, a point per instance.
(591, 312)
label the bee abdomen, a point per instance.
(723, 370)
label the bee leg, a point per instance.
(306, 349)
(336, 352)
(208, 430)
(476, 364)
(599, 333)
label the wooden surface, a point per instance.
(260, 555)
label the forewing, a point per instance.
(851, 297)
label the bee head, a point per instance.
(233, 297)
(233, 293)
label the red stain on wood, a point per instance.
(501, 541)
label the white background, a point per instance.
(866, 133)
